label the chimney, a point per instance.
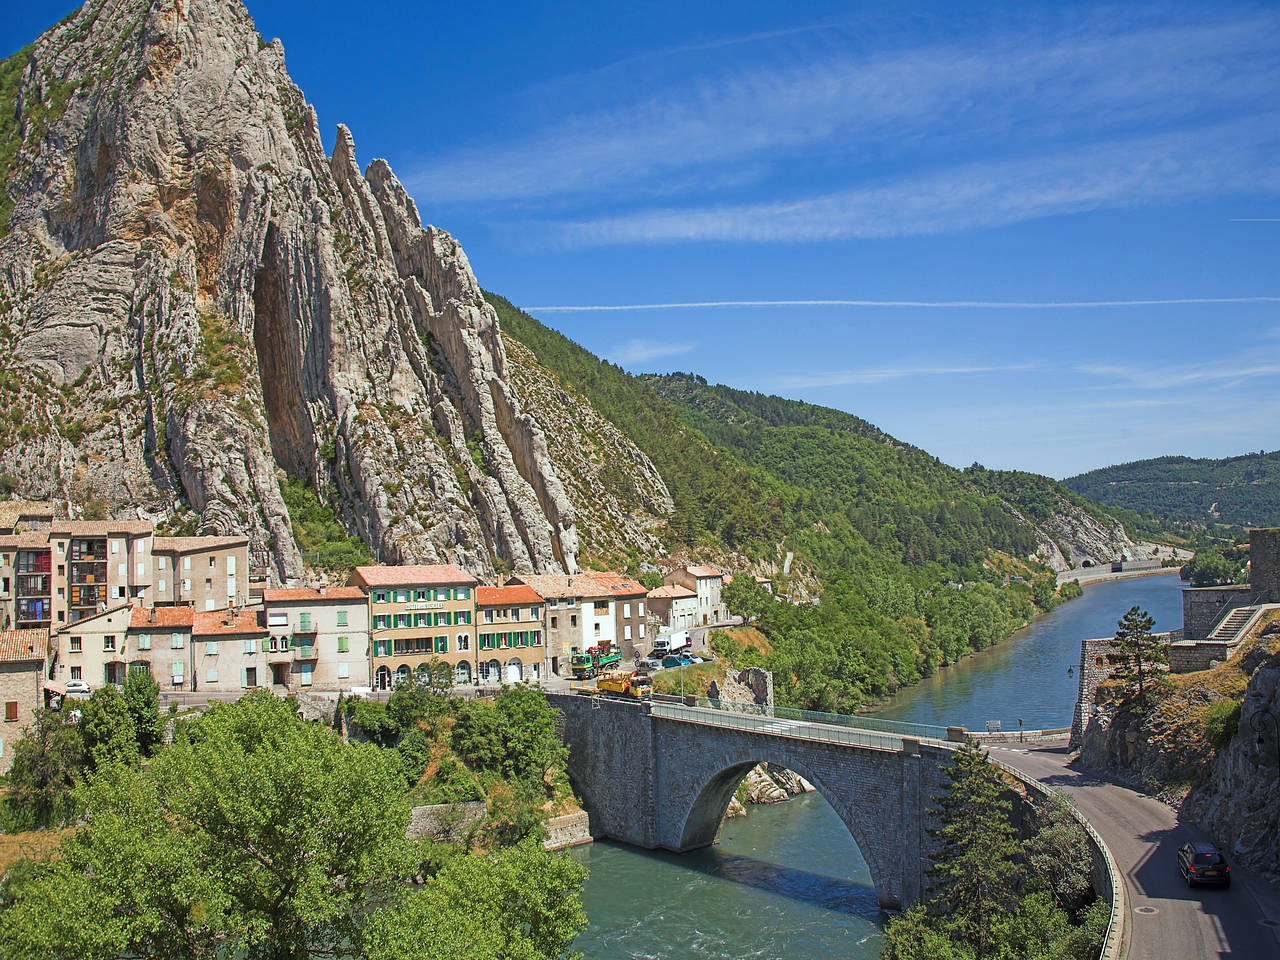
(152, 611)
(320, 590)
(231, 616)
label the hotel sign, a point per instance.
(428, 605)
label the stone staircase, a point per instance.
(1231, 626)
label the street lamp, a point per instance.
(1254, 721)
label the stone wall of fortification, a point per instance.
(1264, 564)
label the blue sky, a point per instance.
(1045, 236)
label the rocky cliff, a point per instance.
(195, 297)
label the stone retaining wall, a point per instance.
(569, 830)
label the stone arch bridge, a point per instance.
(661, 776)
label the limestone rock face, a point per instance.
(1081, 535)
(196, 297)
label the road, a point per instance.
(1166, 918)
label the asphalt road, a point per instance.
(1167, 919)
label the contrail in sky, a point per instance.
(1255, 220)
(925, 304)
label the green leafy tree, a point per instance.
(978, 860)
(650, 579)
(419, 697)
(747, 598)
(1211, 567)
(47, 762)
(520, 903)
(916, 935)
(108, 729)
(1136, 658)
(1059, 855)
(255, 835)
(142, 698)
(514, 738)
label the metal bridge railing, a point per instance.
(777, 726)
(922, 731)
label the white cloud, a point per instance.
(873, 375)
(1089, 80)
(1223, 372)
(1237, 156)
(645, 351)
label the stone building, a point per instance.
(705, 582)
(209, 573)
(95, 648)
(674, 606)
(417, 613)
(627, 600)
(159, 641)
(319, 637)
(579, 614)
(229, 651)
(24, 661)
(510, 635)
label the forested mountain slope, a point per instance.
(917, 560)
(1243, 491)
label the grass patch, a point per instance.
(30, 845)
(323, 541)
(697, 678)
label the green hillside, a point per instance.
(912, 553)
(1240, 491)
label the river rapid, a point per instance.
(787, 880)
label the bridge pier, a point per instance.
(657, 782)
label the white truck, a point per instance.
(671, 642)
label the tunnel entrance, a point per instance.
(277, 340)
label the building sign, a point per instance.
(428, 605)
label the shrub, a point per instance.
(1221, 720)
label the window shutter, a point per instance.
(244, 676)
(211, 647)
(144, 641)
(342, 618)
(175, 641)
(11, 709)
(304, 621)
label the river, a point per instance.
(787, 880)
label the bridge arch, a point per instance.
(704, 815)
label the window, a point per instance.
(122, 570)
(443, 618)
(535, 613)
(640, 611)
(213, 563)
(210, 603)
(175, 641)
(305, 671)
(535, 638)
(504, 640)
(211, 675)
(231, 586)
(380, 596)
(422, 594)
(382, 621)
(160, 585)
(462, 616)
(342, 644)
(402, 620)
(186, 563)
(304, 621)
(160, 563)
(626, 611)
(464, 642)
(596, 625)
(554, 601)
(251, 645)
(115, 546)
(141, 569)
(554, 622)
(10, 710)
(402, 596)
(278, 618)
(573, 620)
(488, 616)
(186, 584)
(602, 606)
(422, 619)
(76, 644)
(441, 645)
(231, 565)
(108, 642)
(626, 632)
(118, 593)
(344, 671)
(208, 584)
(211, 648)
(342, 618)
(144, 641)
(75, 673)
(177, 672)
(641, 631)
(462, 593)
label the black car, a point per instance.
(1203, 863)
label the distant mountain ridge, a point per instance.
(1242, 491)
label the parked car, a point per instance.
(78, 687)
(673, 661)
(694, 658)
(1203, 863)
(649, 663)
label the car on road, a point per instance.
(674, 661)
(78, 687)
(649, 663)
(1203, 863)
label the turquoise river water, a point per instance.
(787, 880)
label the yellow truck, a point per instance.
(619, 683)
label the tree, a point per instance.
(142, 697)
(1135, 658)
(1059, 855)
(108, 730)
(521, 903)
(47, 762)
(255, 834)
(977, 864)
(747, 598)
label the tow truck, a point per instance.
(595, 661)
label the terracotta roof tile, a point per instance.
(63, 628)
(493, 596)
(11, 511)
(561, 585)
(672, 591)
(19, 645)
(312, 594)
(704, 571)
(101, 528)
(33, 540)
(618, 585)
(143, 617)
(208, 623)
(192, 544)
(408, 576)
